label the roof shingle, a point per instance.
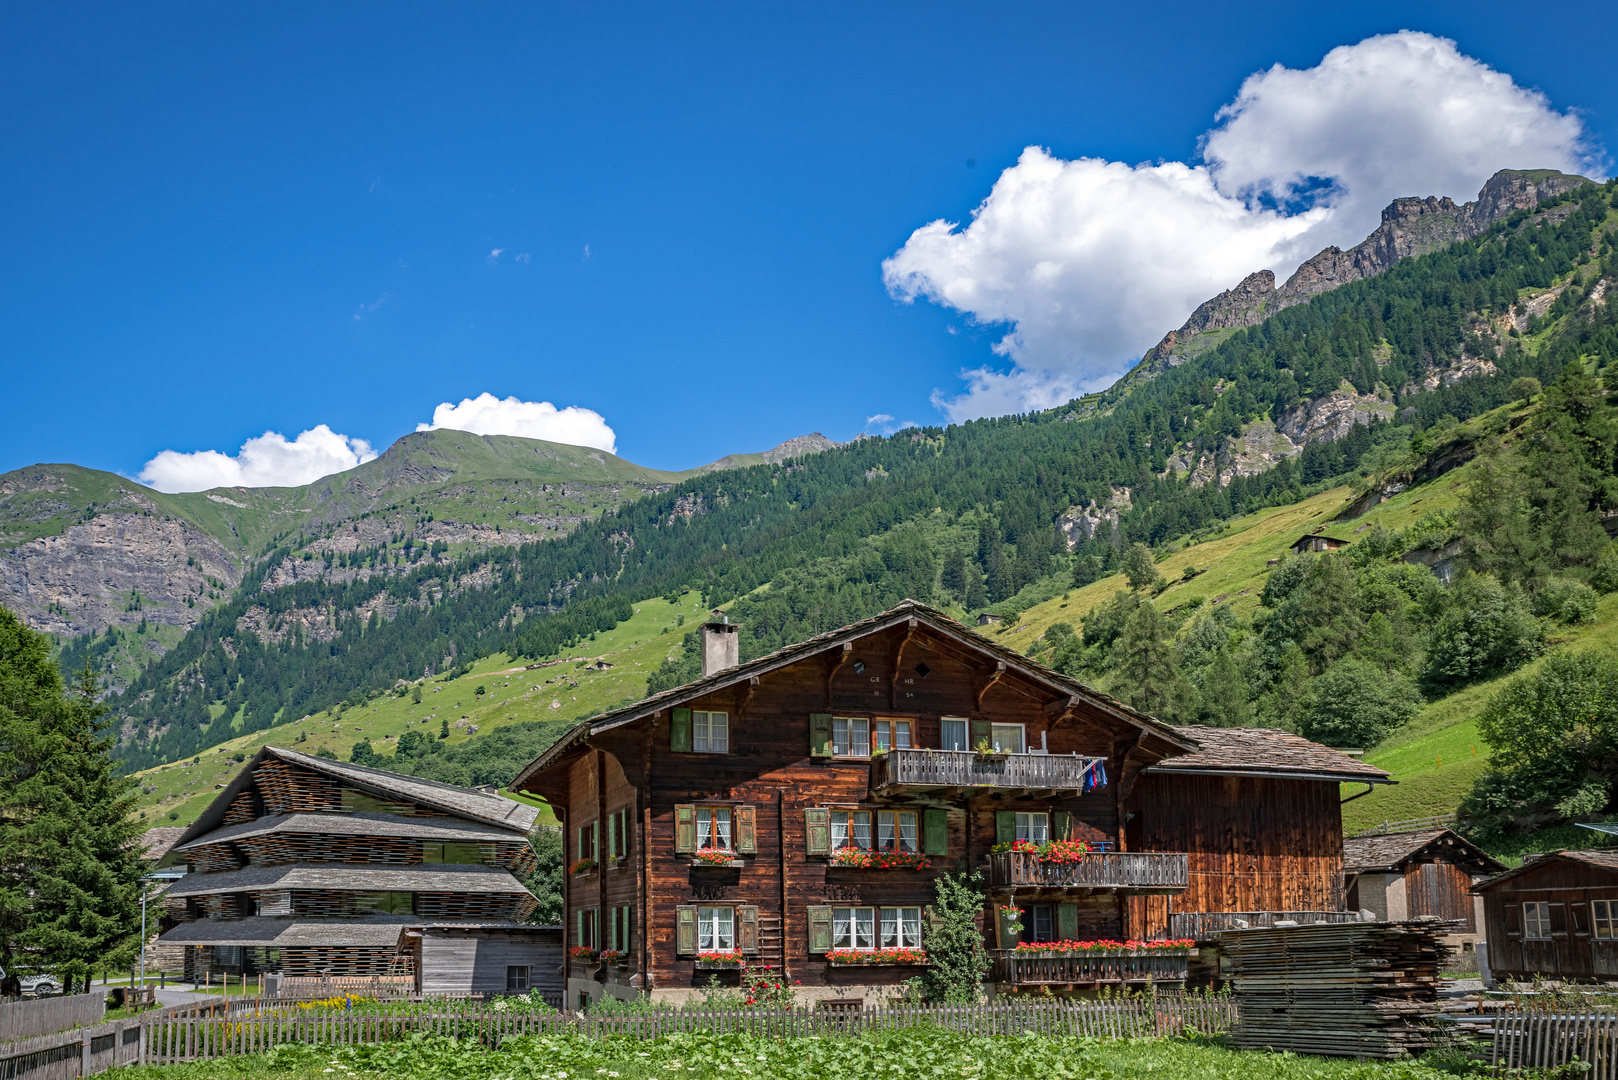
(1265, 751)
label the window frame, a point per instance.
(519, 983)
(850, 825)
(1030, 815)
(1032, 930)
(707, 912)
(853, 746)
(1022, 738)
(704, 744)
(944, 725)
(886, 734)
(1536, 916)
(1608, 921)
(873, 918)
(714, 811)
(896, 825)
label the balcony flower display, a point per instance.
(1104, 945)
(720, 958)
(582, 952)
(872, 957)
(864, 859)
(1067, 852)
(712, 856)
(582, 866)
(612, 956)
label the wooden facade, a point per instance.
(465, 960)
(782, 761)
(1556, 916)
(306, 866)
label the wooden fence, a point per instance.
(1549, 1040)
(25, 1018)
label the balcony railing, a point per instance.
(1201, 925)
(898, 770)
(1071, 969)
(1126, 871)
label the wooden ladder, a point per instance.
(770, 946)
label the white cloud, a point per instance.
(489, 415)
(1089, 261)
(269, 460)
(494, 255)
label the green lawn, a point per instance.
(914, 1054)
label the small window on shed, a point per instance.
(517, 979)
(1604, 919)
(1536, 921)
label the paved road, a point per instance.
(182, 994)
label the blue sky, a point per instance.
(219, 220)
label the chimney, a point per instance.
(721, 648)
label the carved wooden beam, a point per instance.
(752, 688)
(999, 673)
(898, 658)
(842, 658)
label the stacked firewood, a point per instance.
(1346, 989)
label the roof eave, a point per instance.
(1273, 774)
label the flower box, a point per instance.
(581, 867)
(857, 858)
(582, 953)
(720, 960)
(876, 957)
(717, 857)
(1065, 852)
(1104, 946)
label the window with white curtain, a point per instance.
(710, 732)
(896, 830)
(850, 828)
(716, 928)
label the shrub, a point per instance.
(1487, 629)
(956, 956)
(1567, 601)
(1356, 703)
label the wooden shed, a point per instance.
(1556, 915)
(1415, 873)
(491, 959)
(1316, 542)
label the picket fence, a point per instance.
(1550, 1040)
(26, 1017)
(226, 1029)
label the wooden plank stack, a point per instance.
(1365, 990)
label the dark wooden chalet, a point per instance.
(1556, 915)
(1415, 873)
(779, 808)
(1258, 814)
(307, 866)
(1316, 542)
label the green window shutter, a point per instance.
(628, 914)
(817, 831)
(685, 829)
(820, 734)
(1061, 825)
(680, 731)
(981, 731)
(1005, 826)
(685, 934)
(935, 831)
(595, 840)
(1067, 922)
(746, 830)
(747, 929)
(584, 831)
(819, 929)
(612, 928)
(578, 932)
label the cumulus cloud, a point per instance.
(269, 460)
(1088, 262)
(489, 415)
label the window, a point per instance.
(586, 929)
(856, 927)
(386, 903)
(896, 830)
(954, 731)
(227, 955)
(1536, 921)
(850, 828)
(618, 834)
(587, 839)
(461, 853)
(517, 979)
(850, 736)
(618, 928)
(1007, 738)
(713, 827)
(890, 735)
(716, 928)
(1034, 828)
(1040, 924)
(710, 732)
(1604, 916)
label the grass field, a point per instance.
(913, 1054)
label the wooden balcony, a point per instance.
(1016, 969)
(1201, 925)
(1132, 872)
(898, 771)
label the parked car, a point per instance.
(37, 985)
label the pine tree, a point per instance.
(976, 597)
(1140, 567)
(1223, 699)
(1147, 669)
(953, 577)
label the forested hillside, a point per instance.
(967, 516)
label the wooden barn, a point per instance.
(794, 811)
(457, 959)
(1556, 916)
(1416, 873)
(307, 866)
(1258, 813)
(1316, 542)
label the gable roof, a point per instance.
(459, 801)
(356, 824)
(1392, 851)
(1599, 859)
(157, 842)
(432, 877)
(1267, 752)
(904, 611)
(1333, 540)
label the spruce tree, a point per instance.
(1147, 669)
(953, 577)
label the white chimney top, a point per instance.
(721, 647)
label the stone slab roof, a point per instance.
(1606, 860)
(381, 931)
(441, 877)
(357, 824)
(1389, 852)
(1267, 752)
(157, 842)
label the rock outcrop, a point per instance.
(1409, 226)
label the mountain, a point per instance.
(1410, 226)
(976, 514)
(812, 443)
